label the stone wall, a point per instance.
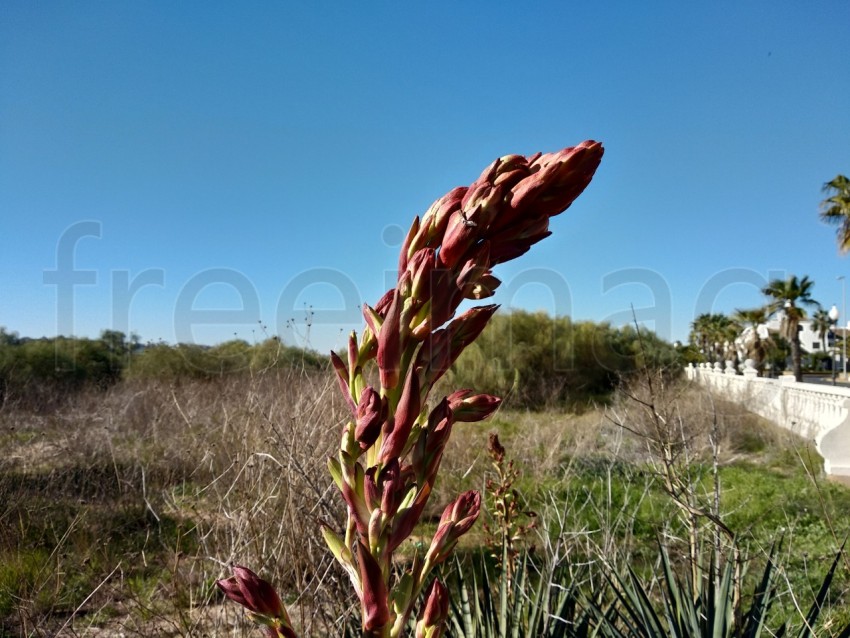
(820, 413)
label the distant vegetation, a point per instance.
(536, 359)
(38, 373)
(229, 358)
(542, 361)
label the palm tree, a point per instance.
(835, 209)
(727, 330)
(710, 332)
(699, 333)
(788, 296)
(821, 323)
(752, 319)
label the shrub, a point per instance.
(542, 361)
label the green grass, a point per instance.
(64, 531)
(771, 484)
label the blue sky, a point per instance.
(215, 169)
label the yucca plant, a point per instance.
(538, 601)
(707, 608)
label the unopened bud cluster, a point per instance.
(260, 600)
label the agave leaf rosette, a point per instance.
(391, 448)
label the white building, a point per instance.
(810, 340)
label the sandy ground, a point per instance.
(843, 480)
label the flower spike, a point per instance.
(390, 453)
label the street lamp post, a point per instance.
(833, 317)
(844, 331)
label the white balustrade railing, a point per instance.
(820, 413)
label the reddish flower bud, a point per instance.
(511, 249)
(406, 413)
(441, 348)
(384, 303)
(352, 488)
(436, 611)
(373, 320)
(433, 358)
(516, 239)
(528, 228)
(525, 192)
(391, 488)
(477, 267)
(506, 176)
(484, 205)
(540, 160)
(507, 165)
(562, 177)
(473, 195)
(466, 328)
(251, 591)
(470, 408)
(405, 287)
(428, 451)
(342, 378)
(372, 489)
(353, 351)
(403, 254)
(505, 172)
(376, 611)
(509, 178)
(463, 512)
(434, 221)
(484, 287)
(259, 598)
(421, 267)
(457, 519)
(407, 518)
(445, 296)
(370, 415)
(385, 489)
(461, 233)
(389, 344)
(489, 174)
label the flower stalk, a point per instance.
(391, 449)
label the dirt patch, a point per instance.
(841, 480)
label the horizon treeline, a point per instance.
(531, 357)
(539, 361)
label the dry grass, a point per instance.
(118, 510)
(151, 490)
